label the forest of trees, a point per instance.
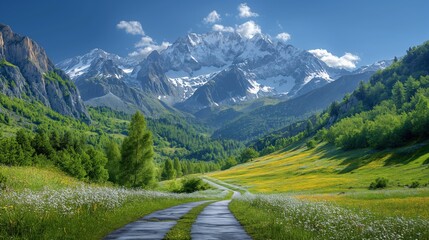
(173, 136)
(392, 123)
(63, 148)
(87, 152)
(390, 111)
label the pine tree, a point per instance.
(137, 165)
(185, 169)
(178, 167)
(168, 172)
(96, 169)
(309, 126)
(113, 160)
(399, 94)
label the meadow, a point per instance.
(322, 193)
(327, 169)
(69, 209)
(280, 216)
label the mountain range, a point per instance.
(207, 75)
(205, 70)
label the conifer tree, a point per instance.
(178, 167)
(113, 155)
(137, 165)
(168, 172)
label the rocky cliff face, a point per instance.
(228, 86)
(153, 80)
(188, 73)
(25, 70)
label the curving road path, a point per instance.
(214, 222)
(155, 225)
(217, 222)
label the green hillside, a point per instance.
(33, 134)
(328, 169)
(391, 110)
(368, 154)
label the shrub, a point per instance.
(415, 184)
(248, 154)
(193, 184)
(311, 144)
(379, 183)
(230, 162)
(3, 181)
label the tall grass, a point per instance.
(82, 212)
(396, 202)
(285, 217)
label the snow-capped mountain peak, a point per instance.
(379, 65)
(79, 65)
(194, 65)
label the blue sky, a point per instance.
(370, 30)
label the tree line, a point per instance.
(391, 110)
(96, 158)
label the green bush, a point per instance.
(3, 181)
(311, 144)
(248, 154)
(193, 184)
(415, 184)
(379, 183)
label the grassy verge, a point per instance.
(78, 213)
(265, 223)
(182, 230)
(412, 203)
(227, 185)
(45, 203)
(280, 216)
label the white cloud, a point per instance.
(221, 28)
(143, 52)
(212, 17)
(248, 29)
(131, 27)
(146, 45)
(347, 61)
(245, 12)
(144, 41)
(284, 36)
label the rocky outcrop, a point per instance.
(152, 77)
(25, 69)
(228, 86)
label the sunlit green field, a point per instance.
(34, 178)
(326, 169)
(44, 203)
(328, 174)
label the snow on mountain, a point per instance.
(380, 65)
(277, 67)
(80, 65)
(192, 62)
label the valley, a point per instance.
(220, 130)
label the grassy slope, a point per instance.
(19, 223)
(328, 169)
(326, 173)
(35, 178)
